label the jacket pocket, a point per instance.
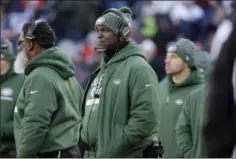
(19, 110)
(20, 104)
(120, 143)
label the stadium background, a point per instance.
(155, 25)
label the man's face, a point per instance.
(174, 64)
(5, 67)
(22, 56)
(23, 44)
(107, 40)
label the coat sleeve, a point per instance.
(40, 104)
(8, 126)
(143, 85)
(143, 111)
(183, 131)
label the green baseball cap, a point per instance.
(185, 49)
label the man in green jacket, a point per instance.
(120, 99)
(47, 117)
(10, 87)
(190, 124)
(182, 78)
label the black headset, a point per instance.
(124, 28)
(29, 35)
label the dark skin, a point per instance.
(31, 48)
(107, 41)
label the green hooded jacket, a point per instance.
(11, 84)
(128, 101)
(189, 126)
(204, 63)
(47, 116)
(172, 98)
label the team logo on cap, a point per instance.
(172, 48)
(100, 20)
(187, 58)
(201, 70)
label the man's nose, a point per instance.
(100, 35)
(18, 48)
(167, 60)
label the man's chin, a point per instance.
(168, 72)
(2, 73)
(172, 73)
(99, 50)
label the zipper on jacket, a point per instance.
(100, 103)
(99, 75)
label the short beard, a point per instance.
(20, 62)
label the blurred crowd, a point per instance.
(155, 25)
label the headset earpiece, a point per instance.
(126, 32)
(29, 35)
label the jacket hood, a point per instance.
(193, 79)
(129, 50)
(204, 63)
(55, 59)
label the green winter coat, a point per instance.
(189, 126)
(126, 117)
(204, 64)
(47, 116)
(11, 84)
(172, 98)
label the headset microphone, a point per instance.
(96, 95)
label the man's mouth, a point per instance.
(101, 43)
(100, 47)
(167, 67)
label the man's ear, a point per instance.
(186, 65)
(30, 45)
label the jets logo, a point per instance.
(172, 48)
(179, 102)
(117, 81)
(6, 91)
(100, 20)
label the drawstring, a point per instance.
(59, 154)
